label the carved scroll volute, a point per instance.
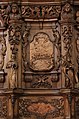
(14, 40)
(67, 47)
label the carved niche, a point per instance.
(41, 52)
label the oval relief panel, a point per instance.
(41, 52)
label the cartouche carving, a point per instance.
(41, 53)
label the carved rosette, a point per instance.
(41, 108)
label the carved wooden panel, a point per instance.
(41, 53)
(41, 107)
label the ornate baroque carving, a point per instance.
(41, 80)
(41, 108)
(67, 32)
(43, 11)
(14, 39)
(41, 53)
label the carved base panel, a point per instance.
(41, 107)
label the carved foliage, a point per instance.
(67, 57)
(3, 107)
(40, 11)
(41, 108)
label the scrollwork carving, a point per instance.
(40, 11)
